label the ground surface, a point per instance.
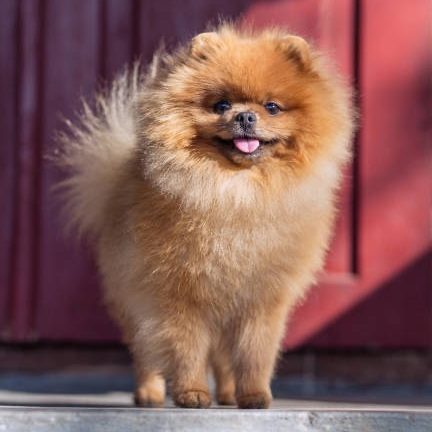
(99, 400)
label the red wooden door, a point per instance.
(376, 288)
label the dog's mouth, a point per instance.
(246, 145)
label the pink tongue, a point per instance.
(246, 145)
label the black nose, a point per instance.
(246, 118)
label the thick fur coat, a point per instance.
(207, 186)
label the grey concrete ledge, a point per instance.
(26, 419)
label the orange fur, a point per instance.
(204, 250)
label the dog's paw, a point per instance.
(254, 401)
(193, 399)
(146, 399)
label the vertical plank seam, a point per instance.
(38, 163)
(103, 23)
(136, 33)
(356, 184)
(15, 201)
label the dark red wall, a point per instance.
(377, 284)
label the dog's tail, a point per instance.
(93, 151)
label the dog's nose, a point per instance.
(246, 119)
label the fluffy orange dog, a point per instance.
(208, 186)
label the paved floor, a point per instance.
(98, 400)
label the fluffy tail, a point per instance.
(93, 151)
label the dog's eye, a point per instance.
(221, 106)
(272, 108)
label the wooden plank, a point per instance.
(69, 302)
(8, 75)
(27, 148)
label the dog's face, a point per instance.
(253, 96)
(245, 100)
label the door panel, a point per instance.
(388, 303)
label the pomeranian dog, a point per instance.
(207, 186)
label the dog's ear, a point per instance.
(297, 50)
(203, 43)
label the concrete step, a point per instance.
(20, 419)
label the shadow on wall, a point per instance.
(397, 311)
